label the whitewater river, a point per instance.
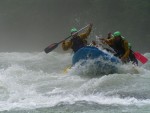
(36, 83)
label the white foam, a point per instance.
(34, 80)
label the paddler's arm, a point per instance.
(108, 41)
(127, 51)
(66, 45)
(87, 33)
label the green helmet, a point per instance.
(117, 33)
(73, 30)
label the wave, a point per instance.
(36, 80)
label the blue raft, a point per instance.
(102, 62)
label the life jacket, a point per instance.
(77, 43)
(118, 47)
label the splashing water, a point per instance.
(35, 82)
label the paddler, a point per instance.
(78, 40)
(120, 45)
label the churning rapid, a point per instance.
(36, 82)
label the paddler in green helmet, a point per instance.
(77, 41)
(120, 45)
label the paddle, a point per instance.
(54, 45)
(106, 46)
(140, 57)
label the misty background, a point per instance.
(32, 25)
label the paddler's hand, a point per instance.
(103, 40)
(63, 42)
(123, 59)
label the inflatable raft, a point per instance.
(94, 58)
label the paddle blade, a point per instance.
(50, 47)
(140, 57)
